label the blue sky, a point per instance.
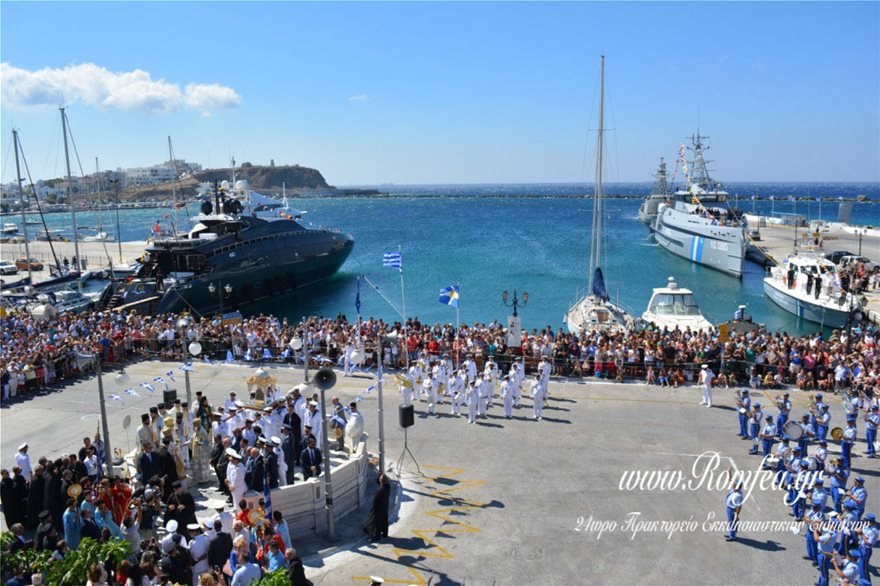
(447, 92)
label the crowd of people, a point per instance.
(179, 446)
(812, 456)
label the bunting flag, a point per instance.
(229, 357)
(206, 360)
(266, 354)
(116, 398)
(187, 367)
(392, 260)
(159, 379)
(131, 393)
(357, 298)
(149, 387)
(170, 374)
(338, 419)
(370, 389)
(247, 356)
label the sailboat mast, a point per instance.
(21, 198)
(600, 220)
(70, 201)
(173, 186)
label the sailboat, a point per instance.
(594, 311)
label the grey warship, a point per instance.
(229, 259)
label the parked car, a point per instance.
(838, 254)
(754, 234)
(22, 264)
(7, 268)
(845, 260)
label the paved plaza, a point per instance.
(512, 501)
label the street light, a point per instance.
(222, 292)
(108, 452)
(381, 410)
(863, 231)
(516, 302)
(195, 349)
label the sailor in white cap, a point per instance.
(23, 461)
(167, 543)
(544, 370)
(507, 396)
(516, 374)
(536, 390)
(429, 386)
(312, 418)
(225, 517)
(706, 378)
(198, 550)
(282, 464)
(235, 476)
(473, 401)
(456, 391)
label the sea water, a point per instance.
(530, 238)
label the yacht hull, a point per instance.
(803, 308)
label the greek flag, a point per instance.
(149, 387)
(267, 493)
(158, 379)
(392, 260)
(116, 398)
(357, 299)
(449, 296)
(170, 374)
(187, 367)
(131, 392)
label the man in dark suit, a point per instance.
(270, 460)
(149, 463)
(89, 527)
(167, 468)
(220, 547)
(293, 421)
(311, 460)
(288, 448)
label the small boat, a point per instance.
(53, 234)
(9, 229)
(594, 311)
(809, 287)
(659, 194)
(672, 307)
(93, 235)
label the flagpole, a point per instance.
(403, 301)
(457, 328)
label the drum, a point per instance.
(837, 434)
(793, 430)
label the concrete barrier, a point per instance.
(303, 503)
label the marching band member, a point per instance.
(507, 396)
(754, 426)
(768, 434)
(784, 406)
(429, 386)
(872, 422)
(849, 438)
(744, 404)
(473, 400)
(456, 388)
(536, 390)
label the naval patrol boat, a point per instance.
(697, 224)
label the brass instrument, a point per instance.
(837, 434)
(780, 403)
(403, 381)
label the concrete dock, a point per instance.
(778, 241)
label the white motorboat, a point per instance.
(9, 229)
(594, 311)
(673, 307)
(809, 287)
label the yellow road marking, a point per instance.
(434, 549)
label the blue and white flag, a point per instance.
(131, 393)
(392, 260)
(149, 387)
(159, 379)
(170, 374)
(357, 298)
(187, 367)
(449, 296)
(116, 398)
(370, 389)
(206, 360)
(267, 493)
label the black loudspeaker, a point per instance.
(168, 397)
(407, 415)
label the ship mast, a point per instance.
(596, 244)
(22, 201)
(660, 186)
(70, 201)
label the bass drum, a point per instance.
(793, 430)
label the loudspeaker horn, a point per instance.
(325, 379)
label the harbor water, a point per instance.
(531, 238)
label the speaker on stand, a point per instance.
(406, 414)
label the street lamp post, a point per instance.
(861, 231)
(108, 452)
(515, 302)
(381, 408)
(222, 292)
(305, 348)
(195, 349)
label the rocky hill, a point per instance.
(271, 177)
(261, 178)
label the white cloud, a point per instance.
(358, 98)
(96, 86)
